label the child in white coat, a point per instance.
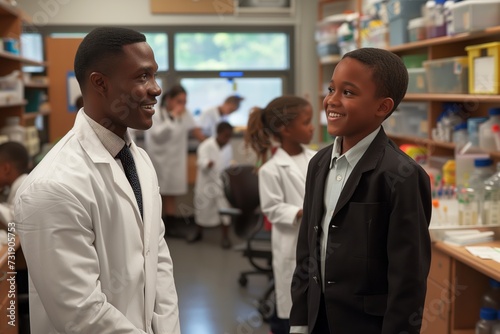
(212, 159)
(14, 165)
(286, 119)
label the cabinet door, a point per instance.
(440, 269)
(437, 309)
(192, 7)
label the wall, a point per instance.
(137, 13)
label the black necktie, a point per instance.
(129, 166)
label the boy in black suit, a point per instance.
(363, 253)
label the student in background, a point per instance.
(88, 215)
(167, 145)
(209, 196)
(14, 166)
(363, 253)
(282, 179)
(210, 117)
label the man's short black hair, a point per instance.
(224, 126)
(98, 46)
(16, 154)
(388, 70)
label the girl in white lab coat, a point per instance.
(282, 178)
(167, 145)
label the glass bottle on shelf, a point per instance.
(491, 204)
(470, 197)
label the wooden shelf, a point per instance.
(454, 97)
(35, 85)
(33, 115)
(490, 32)
(26, 61)
(15, 104)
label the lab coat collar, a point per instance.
(99, 154)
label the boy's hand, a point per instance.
(210, 164)
(300, 213)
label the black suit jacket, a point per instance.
(378, 251)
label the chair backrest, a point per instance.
(241, 188)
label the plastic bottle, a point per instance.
(429, 8)
(470, 198)
(496, 327)
(13, 130)
(496, 134)
(486, 136)
(473, 129)
(491, 298)
(448, 17)
(491, 203)
(460, 135)
(449, 169)
(439, 20)
(488, 317)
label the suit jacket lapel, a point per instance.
(367, 162)
(322, 170)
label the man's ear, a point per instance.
(99, 82)
(385, 107)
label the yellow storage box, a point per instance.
(484, 68)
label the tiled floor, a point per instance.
(210, 298)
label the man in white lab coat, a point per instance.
(90, 226)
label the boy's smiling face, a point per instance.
(352, 107)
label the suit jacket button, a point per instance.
(315, 278)
(316, 228)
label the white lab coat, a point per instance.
(95, 266)
(167, 144)
(208, 193)
(281, 191)
(209, 119)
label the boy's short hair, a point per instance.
(224, 126)
(388, 71)
(16, 154)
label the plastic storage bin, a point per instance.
(414, 61)
(474, 15)
(484, 65)
(416, 29)
(416, 81)
(400, 12)
(328, 51)
(412, 119)
(447, 75)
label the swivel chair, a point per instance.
(241, 188)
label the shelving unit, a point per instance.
(326, 66)
(11, 25)
(476, 105)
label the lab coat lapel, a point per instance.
(285, 161)
(99, 155)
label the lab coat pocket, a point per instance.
(375, 304)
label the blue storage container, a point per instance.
(400, 12)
